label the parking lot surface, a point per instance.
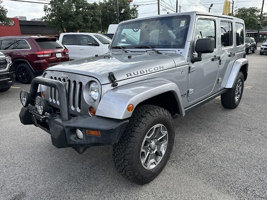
(218, 154)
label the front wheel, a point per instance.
(145, 147)
(5, 89)
(233, 96)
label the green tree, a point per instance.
(3, 18)
(251, 17)
(72, 15)
(108, 12)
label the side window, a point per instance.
(226, 34)
(205, 28)
(70, 40)
(21, 44)
(85, 40)
(7, 44)
(239, 34)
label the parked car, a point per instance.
(31, 55)
(263, 49)
(251, 45)
(170, 65)
(6, 72)
(83, 45)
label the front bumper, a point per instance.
(263, 50)
(6, 79)
(62, 127)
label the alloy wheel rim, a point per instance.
(238, 90)
(154, 146)
(23, 75)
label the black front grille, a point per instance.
(74, 92)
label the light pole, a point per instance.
(210, 6)
(258, 35)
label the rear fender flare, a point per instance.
(238, 64)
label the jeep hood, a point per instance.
(123, 66)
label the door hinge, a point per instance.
(192, 68)
(190, 92)
(219, 80)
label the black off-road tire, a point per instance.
(23, 73)
(232, 97)
(5, 89)
(127, 152)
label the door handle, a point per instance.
(215, 58)
(231, 54)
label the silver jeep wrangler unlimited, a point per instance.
(158, 68)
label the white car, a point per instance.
(263, 49)
(83, 45)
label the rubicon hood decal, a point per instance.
(145, 71)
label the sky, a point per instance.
(146, 7)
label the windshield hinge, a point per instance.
(112, 79)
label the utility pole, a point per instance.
(259, 22)
(180, 8)
(176, 6)
(117, 11)
(233, 8)
(158, 7)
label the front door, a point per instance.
(203, 74)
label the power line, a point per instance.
(26, 1)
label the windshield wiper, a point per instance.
(147, 46)
(120, 47)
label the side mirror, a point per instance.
(204, 45)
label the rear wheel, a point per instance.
(146, 145)
(233, 96)
(23, 73)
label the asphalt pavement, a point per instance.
(218, 154)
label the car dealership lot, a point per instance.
(218, 154)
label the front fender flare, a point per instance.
(114, 103)
(235, 70)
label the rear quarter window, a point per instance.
(47, 43)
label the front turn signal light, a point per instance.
(94, 133)
(92, 111)
(130, 107)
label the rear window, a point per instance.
(49, 43)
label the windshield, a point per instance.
(103, 39)
(167, 32)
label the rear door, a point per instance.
(227, 48)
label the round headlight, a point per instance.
(94, 90)
(24, 98)
(40, 105)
